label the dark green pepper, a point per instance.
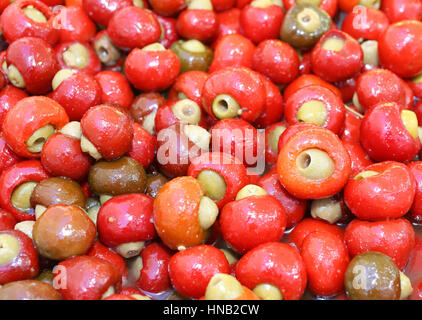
(304, 25)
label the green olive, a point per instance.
(121, 176)
(304, 25)
(372, 276)
(193, 55)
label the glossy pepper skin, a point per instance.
(334, 106)
(292, 130)
(168, 7)
(52, 3)
(77, 94)
(74, 25)
(115, 88)
(99, 250)
(308, 226)
(395, 238)
(25, 264)
(293, 207)
(276, 60)
(27, 116)
(15, 24)
(222, 5)
(299, 185)
(347, 88)
(176, 213)
(273, 107)
(241, 3)
(232, 50)
(199, 24)
(332, 65)
(379, 85)
(24, 171)
(74, 3)
(413, 269)
(409, 95)
(102, 11)
(416, 209)
(351, 126)
(239, 138)
(404, 60)
(36, 62)
(386, 195)
(251, 221)
(376, 23)
(199, 264)
(418, 111)
(109, 129)
(259, 24)
(133, 27)
(154, 275)
(9, 96)
(189, 84)
(62, 156)
(274, 263)
(305, 63)
(3, 78)
(143, 145)
(152, 70)
(358, 157)
(169, 35)
(326, 259)
(7, 220)
(3, 5)
(7, 157)
(126, 218)
(384, 135)
(243, 84)
(229, 23)
(402, 10)
(308, 80)
(87, 278)
(416, 86)
(232, 170)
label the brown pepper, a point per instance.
(193, 55)
(372, 276)
(28, 290)
(303, 25)
(121, 176)
(155, 183)
(63, 231)
(58, 190)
